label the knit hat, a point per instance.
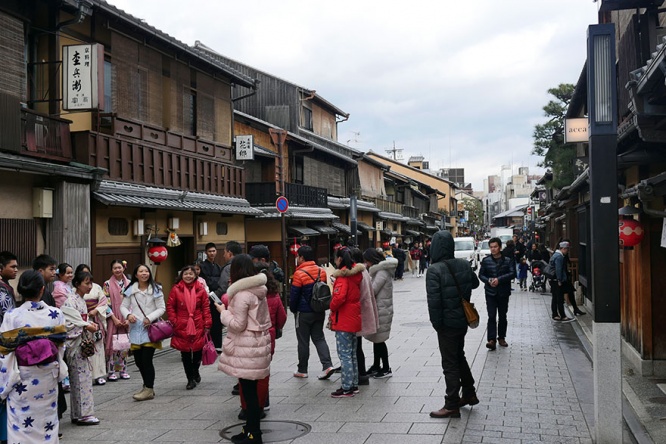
(564, 244)
(260, 252)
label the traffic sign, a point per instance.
(282, 204)
(529, 210)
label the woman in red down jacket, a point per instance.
(189, 312)
(345, 319)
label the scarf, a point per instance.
(116, 295)
(190, 295)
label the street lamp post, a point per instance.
(605, 269)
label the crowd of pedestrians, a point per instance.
(82, 332)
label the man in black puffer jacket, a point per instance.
(448, 319)
(497, 272)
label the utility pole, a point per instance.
(395, 153)
(278, 137)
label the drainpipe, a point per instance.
(250, 94)
(84, 9)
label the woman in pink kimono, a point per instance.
(62, 286)
(116, 322)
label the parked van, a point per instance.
(465, 248)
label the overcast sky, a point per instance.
(461, 83)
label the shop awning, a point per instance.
(365, 227)
(299, 213)
(392, 216)
(302, 230)
(432, 227)
(391, 233)
(133, 195)
(413, 232)
(342, 203)
(344, 229)
(414, 221)
(325, 229)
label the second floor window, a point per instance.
(298, 170)
(190, 112)
(307, 118)
(108, 82)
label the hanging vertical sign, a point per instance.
(245, 147)
(82, 77)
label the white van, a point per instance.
(465, 248)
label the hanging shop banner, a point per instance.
(82, 77)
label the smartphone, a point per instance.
(213, 297)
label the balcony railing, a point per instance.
(45, 137)
(410, 211)
(388, 206)
(265, 194)
(157, 165)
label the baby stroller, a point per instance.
(538, 279)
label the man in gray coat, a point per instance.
(448, 280)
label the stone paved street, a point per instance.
(536, 390)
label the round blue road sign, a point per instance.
(282, 204)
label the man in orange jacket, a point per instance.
(309, 325)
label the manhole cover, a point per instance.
(416, 324)
(272, 431)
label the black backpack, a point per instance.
(321, 294)
(549, 270)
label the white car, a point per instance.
(465, 248)
(483, 250)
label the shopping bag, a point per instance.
(208, 353)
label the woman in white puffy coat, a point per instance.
(381, 271)
(247, 345)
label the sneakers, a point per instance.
(300, 375)
(355, 390)
(491, 345)
(373, 370)
(342, 393)
(382, 374)
(324, 374)
(190, 384)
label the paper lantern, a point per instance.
(294, 249)
(158, 254)
(631, 232)
(385, 245)
(337, 246)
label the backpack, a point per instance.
(321, 294)
(278, 274)
(549, 270)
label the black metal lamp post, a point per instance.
(605, 270)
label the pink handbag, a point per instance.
(208, 353)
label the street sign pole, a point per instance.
(278, 137)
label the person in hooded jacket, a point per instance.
(247, 345)
(369, 317)
(381, 271)
(345, 319)
(188, 310)
(448, 280)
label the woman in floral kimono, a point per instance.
(31, 339)
(97, 304)
(116, 322)
(82, 405)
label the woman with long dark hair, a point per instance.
(247, 346)
(116, 361)
(188, 310)
(345, 319)
(142, 305)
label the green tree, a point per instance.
(475, 213)
(558, 156)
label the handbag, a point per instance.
(158, 330)
(208, 353)
(471, 314)
(120, 342)
(87, 344)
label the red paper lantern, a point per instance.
(385, 245)
(158, 254)
(294, 249)
(631, 232)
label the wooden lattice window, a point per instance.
(20, 237)
(221, 229)
(118, 226)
